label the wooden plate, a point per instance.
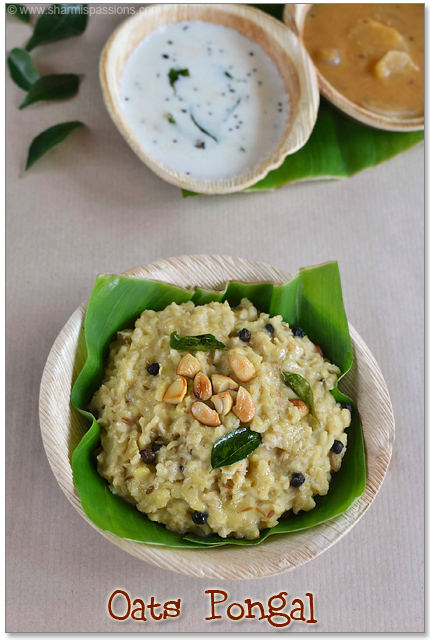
(62, 428)
(294, 17)
(279, 42)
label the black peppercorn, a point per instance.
(199, 518)
(345, 405)
(270, 329)
(337, 446)
(297, 479)
(244, 335)
(153, 369)
(147, 455)
(298, 331)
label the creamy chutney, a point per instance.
(204, 100)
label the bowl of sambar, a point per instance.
(369, 59)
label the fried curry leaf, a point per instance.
(52, 87)
(21, 68)
(48, 139)
(234, 446)
(205, 342)
(57, 22)
(301, 388)
(19, 11)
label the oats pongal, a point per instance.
(181, 380)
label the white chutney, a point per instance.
(204, 100)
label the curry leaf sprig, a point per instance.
(301, 388)
(205, 342)
(57, 22)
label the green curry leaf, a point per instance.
(301, 388)
(48, 139)
(234, 446)
(21, 68)
(52, 87)
(57, 22)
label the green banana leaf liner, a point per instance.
(338, 147)
(313, 300)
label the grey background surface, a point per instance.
(91, 206)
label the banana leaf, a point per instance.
(313, 300)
